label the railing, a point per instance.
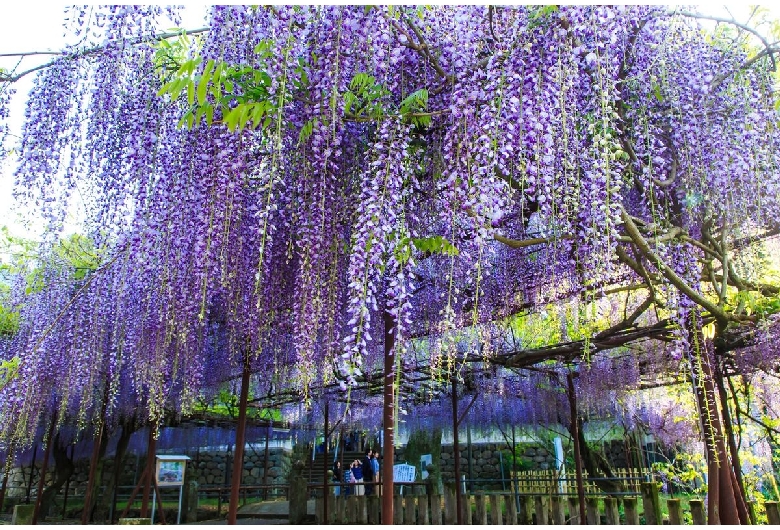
(222, 493)
(501, 508)
(552, 482)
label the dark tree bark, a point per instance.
(107, 502)
(725, 504)
(63, 469)
(97, 478)
(595, 464)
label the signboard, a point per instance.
(170, 470)
(425, 461)
(170, 473)
(404, 473)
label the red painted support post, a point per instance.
(39, 495)
(93, 461)
(456, 451)
(575, 427)
(149, 470)
(388, 420)
(325, 490)
(3, 488)
(238, 454)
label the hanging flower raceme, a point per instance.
(266, 192)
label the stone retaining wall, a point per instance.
(486, 460)
(208, 468)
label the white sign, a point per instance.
(425, 461)
(170, 470)
(404, 473)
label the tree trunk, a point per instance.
(95, 476)
(63, 469)
(107, 504)
(238, 454)
(574, 429)
(722, 506)
(732, 444)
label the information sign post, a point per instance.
(169, 473)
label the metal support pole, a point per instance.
(388, 420)
(150, 451)
(67, 487)
(238, 454)
(47, 452)
(93, 461)
(575, 428)
(32, 473)
(325, 470)
(456, 451)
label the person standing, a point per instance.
(337, 477)
(357, 475)
(368, 472)
(375, 466)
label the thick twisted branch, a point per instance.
(669, 274)
(95, 50)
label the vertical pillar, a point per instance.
(93, 462)
(436, 509)
(449, 506)
(362, 510)
(575, 427)
(325, 489)
(558, 515)
(47, 452)
(456, 450)
(651, 502)
(422, 510)
(495, 509)
(574, 511)
(151, 447)
(409, 509)
(541, 510)
(630, 509)
(592, 512)
(32, 472)
(611, 509)
(675, 511)
(526, 509)
(398, 510)
(480, 508)
(238, 453)
(266, 461)
(373, 510)
(698, 515)
(388, 419)
(511, 509)
(772, 513)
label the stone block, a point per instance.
(22, 514)
(136, 520)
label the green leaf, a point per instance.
(416, 102)
(435, 245)
(203, 84)
(190, 93)
(307, 130)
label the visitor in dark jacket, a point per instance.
(337, 477)
(368, 472)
